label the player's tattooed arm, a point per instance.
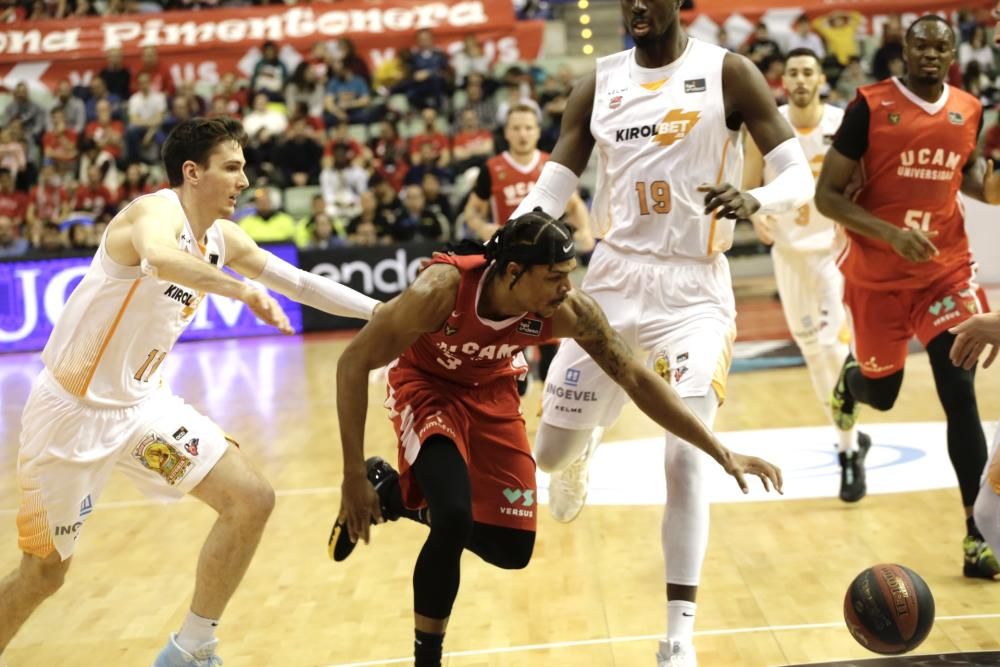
(582, 319)
(591, 330)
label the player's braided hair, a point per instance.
(532, 239)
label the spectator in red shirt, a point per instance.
(389, 153)
(438, 141)
(13, 203)
(357, 153)
(234, 96)
(159, 77)
(107, 134)
(48, 202)
(60, 144)
(136, 182)
(93, 196)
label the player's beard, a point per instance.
(794, 99)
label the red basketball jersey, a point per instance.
(510, 182)
(471, 351)
(910, 175)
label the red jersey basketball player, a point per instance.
(466, 467)
(907, 265)
(507, 178)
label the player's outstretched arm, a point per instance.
(972, 337)
(748, 98)
(422, 308)
(833, 202)
(156, 227)
(248, 259)
(560, 175)
(581, 318)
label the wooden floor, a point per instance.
(773, 581)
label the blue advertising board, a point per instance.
(33, 293)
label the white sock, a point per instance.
(196, 632)
(847, 441)
(680, 619)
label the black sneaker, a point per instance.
(852, 471)
(386, 482)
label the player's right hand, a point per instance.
(740, 465)
(267, 309)
(359, 506)
(763, 226)
(972, 337)
(914, 245)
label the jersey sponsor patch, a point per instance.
(530, 327)
(155, 454)
(694, 86)
(956, 117)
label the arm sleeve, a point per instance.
(555, 185)
(483, 184)
(315, 291)
(851, 139)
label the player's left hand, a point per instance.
(731, 202)
(972, 337)
(740, 465)
(359, 506)
(991, 184)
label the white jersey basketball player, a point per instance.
(100, 404)
(665, 117)
(804, 255)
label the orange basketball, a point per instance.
(889, 609)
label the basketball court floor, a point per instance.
(773, 582)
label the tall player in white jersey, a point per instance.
(99, 404)
(666, 118)
(805, 267)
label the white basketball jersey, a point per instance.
(118, 324)
(806, 229)
(661, 133)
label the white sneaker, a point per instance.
(173, 655)
(568, 487)
(676, 653)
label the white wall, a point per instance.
(982, 222)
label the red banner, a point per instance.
(203, 45)
(720, 10)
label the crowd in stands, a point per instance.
(340, 154)
(838, 38)
(337, 154)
